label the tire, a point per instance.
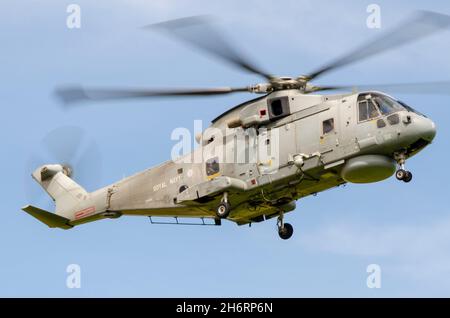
(223, 210)
(408, 177)
(286, 231)
(400, 174)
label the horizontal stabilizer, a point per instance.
(51, 219)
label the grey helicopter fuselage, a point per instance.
(321, 141)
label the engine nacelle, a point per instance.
(368, 168)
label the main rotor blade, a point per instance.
(199, 32)
(432, 88)
(76, 94)
(422, 24)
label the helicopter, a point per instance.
(258, 158)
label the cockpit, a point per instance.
(374, 105)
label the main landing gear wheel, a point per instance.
(286, 231)
(223, 210)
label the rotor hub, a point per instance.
(281, 83)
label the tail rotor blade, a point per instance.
(63, 143)
(33, 192)
(67, 145)
(88, 167)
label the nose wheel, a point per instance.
(402, 174)
(285, 230)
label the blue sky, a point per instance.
(404, 228)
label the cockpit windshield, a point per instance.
(385, 104)
(410, 109)
(371, 105)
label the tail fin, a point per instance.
(67, 194)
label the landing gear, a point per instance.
(402, 174)
(408, 177)
(224, 208)
(285, 230)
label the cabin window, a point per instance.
(212, 166)
(182, 188)
(328, 126)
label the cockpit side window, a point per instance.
(367, 110)
(363, 114)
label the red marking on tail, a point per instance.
(85, 212)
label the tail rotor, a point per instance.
(70, 147)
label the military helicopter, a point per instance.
(291, 142)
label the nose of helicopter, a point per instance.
(426, 128)
(419, 131)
